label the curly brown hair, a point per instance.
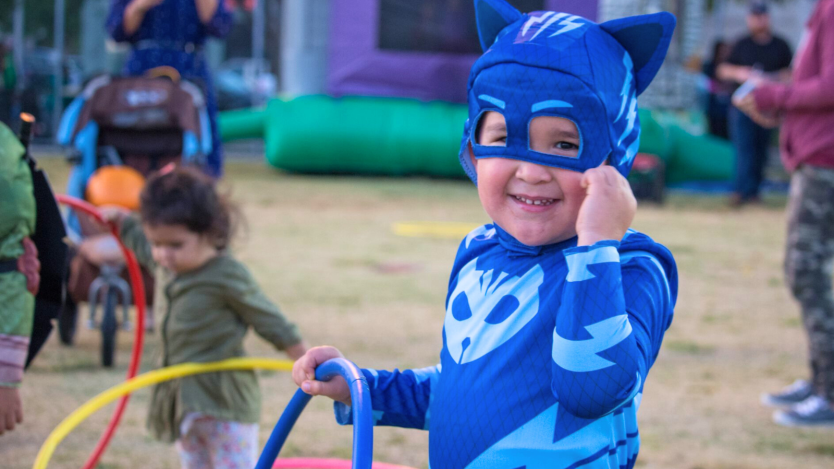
(187, 197)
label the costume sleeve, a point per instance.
(115, 20)
(221, 23)
(812, 94)
(258, 311)
(609, 327)
(134, 239)
(399, 398)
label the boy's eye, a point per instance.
(566, 146)
(554, 136)
(495, 140)
(491, 130)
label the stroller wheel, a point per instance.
(109, 327)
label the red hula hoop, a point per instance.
(138, 287)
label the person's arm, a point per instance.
(731, 70)
(214, 16)
(206, 9)
(258, 311)
(399, 398)
(735, 73)
(126, 16)
(609, 327)
(812, 94)
(604, 341)
(133, 237)
(16, 316)
(11, 408)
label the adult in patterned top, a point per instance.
(172, 33)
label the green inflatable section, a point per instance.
(242, 124)
(358, 135)
(689, 154)
(398, 137)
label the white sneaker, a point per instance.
(812, 412)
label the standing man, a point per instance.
(807, 145)
(758, 52)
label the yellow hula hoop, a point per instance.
(146, 379)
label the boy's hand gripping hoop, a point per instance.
(363, 437)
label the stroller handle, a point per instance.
(363, 437)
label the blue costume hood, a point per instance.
(547, 63)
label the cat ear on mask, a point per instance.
(492, 17)
(646, 38)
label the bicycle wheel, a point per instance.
(109, 326)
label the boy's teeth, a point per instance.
(535, 202)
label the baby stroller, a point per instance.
(143, 123)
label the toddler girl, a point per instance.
(210, 302)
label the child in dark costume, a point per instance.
(556, 311)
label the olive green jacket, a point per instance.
(207, 314)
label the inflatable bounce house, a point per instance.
(378, 87)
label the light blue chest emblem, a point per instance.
(487, 309)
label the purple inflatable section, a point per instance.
(357, 66)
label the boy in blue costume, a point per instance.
(556, 311)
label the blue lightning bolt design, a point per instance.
(632, 116)
(626, 84)
(631, 152)
(536, 20)
(569, 25)
(552, 20)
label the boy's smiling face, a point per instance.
(536, 204)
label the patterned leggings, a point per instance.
(809, 261)
(209, 443)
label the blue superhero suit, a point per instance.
(545, 348)
(545, 353)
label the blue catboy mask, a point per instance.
(556, 64)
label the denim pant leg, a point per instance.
(761, 146)
(747, 141)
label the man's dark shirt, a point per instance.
(770, 57)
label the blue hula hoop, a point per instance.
(363, 432)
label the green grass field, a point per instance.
(324, 250)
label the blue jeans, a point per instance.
(751, 142)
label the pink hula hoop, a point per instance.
(319, 463)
